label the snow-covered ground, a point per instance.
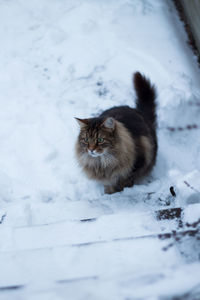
(60, 236)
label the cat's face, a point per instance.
(96, 136)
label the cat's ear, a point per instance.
(82, 122)
(109, 123)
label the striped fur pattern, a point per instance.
(119, 147)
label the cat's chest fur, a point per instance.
(106, 170)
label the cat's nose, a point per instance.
(91, 148)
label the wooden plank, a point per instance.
(192, 12)
(189, 11)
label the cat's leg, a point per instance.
(126, 182)
(129, 182)
(120, 185)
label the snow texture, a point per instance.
(60, 236)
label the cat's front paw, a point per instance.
(109, 189)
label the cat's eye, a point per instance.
(86, 140)
(100, 140)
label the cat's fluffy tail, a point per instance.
(146, 95)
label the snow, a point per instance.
(61, 237)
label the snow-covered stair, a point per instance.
(144, 250)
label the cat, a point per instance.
(119, 147)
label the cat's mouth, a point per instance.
(94, 153)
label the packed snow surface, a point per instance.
(60, 236)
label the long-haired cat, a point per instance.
(119, 147)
